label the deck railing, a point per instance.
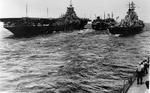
(127, 83)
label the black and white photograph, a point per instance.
(74, 46)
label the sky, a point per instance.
(83, 8)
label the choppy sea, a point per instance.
(82, 61)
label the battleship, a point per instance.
(130, 25)
(27, 26)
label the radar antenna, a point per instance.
(70, 3)
(132, 5)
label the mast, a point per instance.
(27, 8)
(108, 15)
(112, 15)
(47, 11)
(104, 15)
(129, 5)
(70, 3)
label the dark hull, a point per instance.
(99, 26)
(21, 27)
(22, 31)
(126, 30)
(29, 30)
(68, 27)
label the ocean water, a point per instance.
(76, 62)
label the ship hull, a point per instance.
(29, 30)
(21, 27)
(126, 30)
(22, 31)
(99, 26)
(103, 24)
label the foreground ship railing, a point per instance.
(127, 83)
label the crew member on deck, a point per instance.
(139, 72)
(146, 65)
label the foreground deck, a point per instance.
(138, 88)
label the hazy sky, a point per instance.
(83, 8)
